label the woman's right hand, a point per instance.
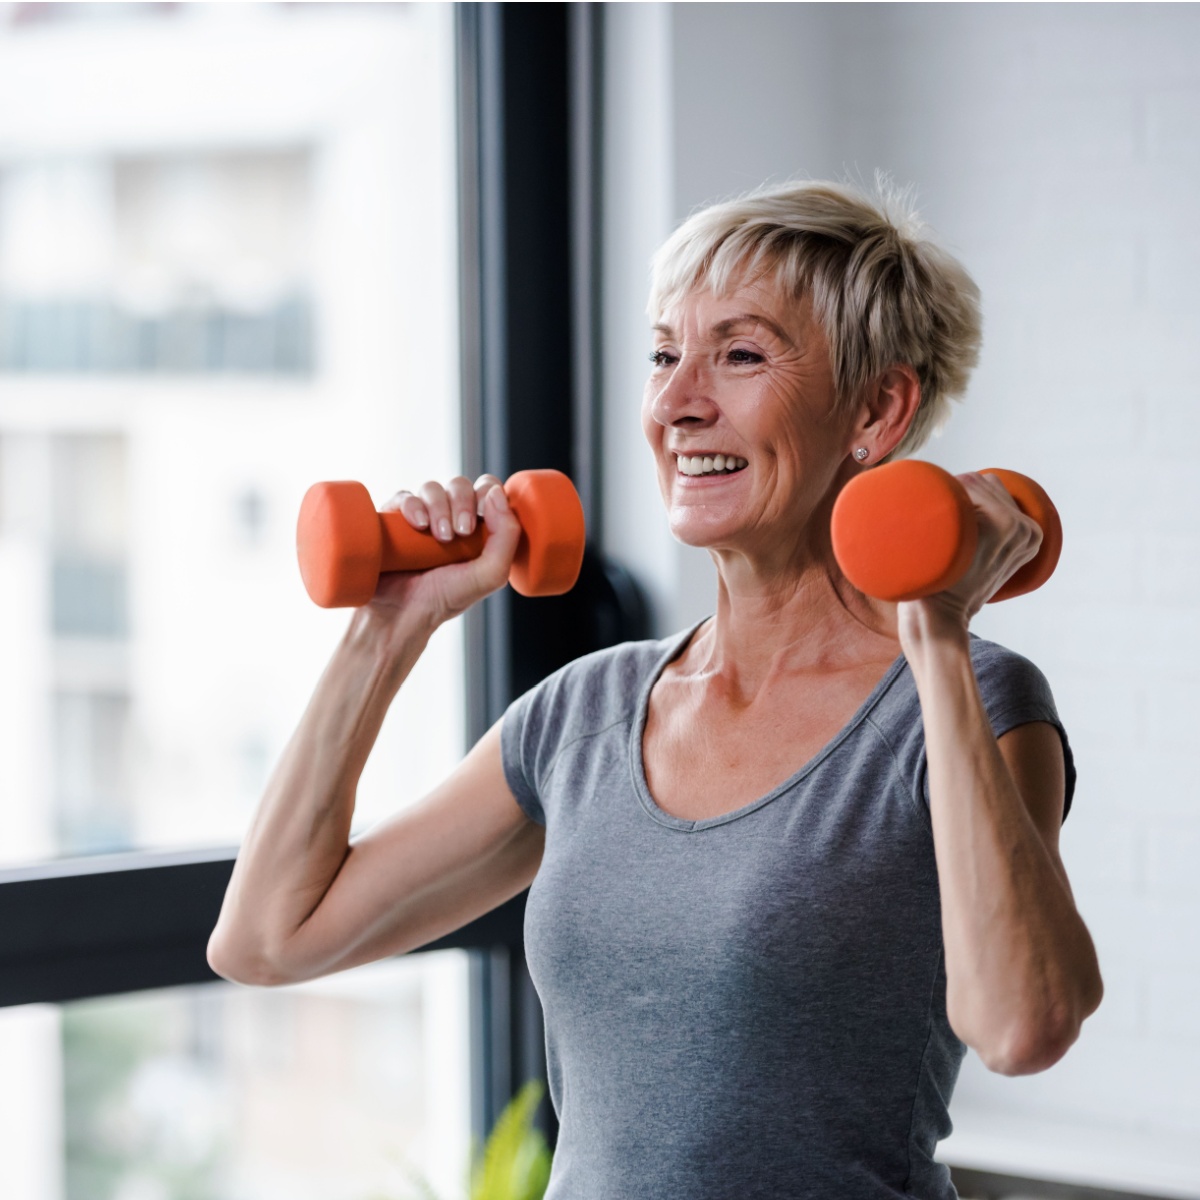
(448, 512)
(303, 899)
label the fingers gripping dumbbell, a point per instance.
(908, 529)
(344, 544)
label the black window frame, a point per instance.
(528, 85)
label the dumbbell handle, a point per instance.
(406, 548)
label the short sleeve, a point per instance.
(1015, 692)
(587, 697)
(519, 736)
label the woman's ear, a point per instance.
(887, 413)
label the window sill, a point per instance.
(1096, 1156)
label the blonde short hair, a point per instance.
(881, 290)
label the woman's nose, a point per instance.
(684, 397)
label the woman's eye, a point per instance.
(660, 358)
(744, 356)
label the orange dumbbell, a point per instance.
(908, 529)
(344, 544)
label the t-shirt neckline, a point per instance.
(638, 726)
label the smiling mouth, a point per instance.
(709, 464)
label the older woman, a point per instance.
(786, 865)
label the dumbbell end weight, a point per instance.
(1033, 501)
(901, 532)
(339, 544)
(550, 554)
(908, 529)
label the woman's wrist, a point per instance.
(928, 629)
(392, 639)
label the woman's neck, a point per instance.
(770, 623)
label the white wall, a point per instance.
(1056, 149)
(637, 208)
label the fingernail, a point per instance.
(444, 530)
(464, 523)
(501, 500)
(421, 521)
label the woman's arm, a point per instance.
(1021, 969)
(302, 901)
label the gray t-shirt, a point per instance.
(754, 1004)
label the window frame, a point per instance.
(79, 928)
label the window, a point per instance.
(151, 468)
(339, 1089)
(206, 304)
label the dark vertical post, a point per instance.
(585, 33)
(518, 341)
(483, 310)
(530, 116)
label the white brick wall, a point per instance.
(1056, 149)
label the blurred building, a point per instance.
(227, 266)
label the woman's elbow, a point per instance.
(237, 965)
(1039, 1035)
(1025, 1055)
(1034, 1046)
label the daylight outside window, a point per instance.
(227, 267)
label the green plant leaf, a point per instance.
(515, 1164)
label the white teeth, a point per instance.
(709, 464)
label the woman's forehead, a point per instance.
(760, 301)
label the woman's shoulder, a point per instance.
(607, 683)
(1008, 680)
(592, 695)
(1003, 675)
(1013, 689)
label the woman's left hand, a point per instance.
(1007, 540)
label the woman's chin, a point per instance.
(690, 528)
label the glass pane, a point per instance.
(227, 271)
(348, 1088)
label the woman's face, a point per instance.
(743, 379)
